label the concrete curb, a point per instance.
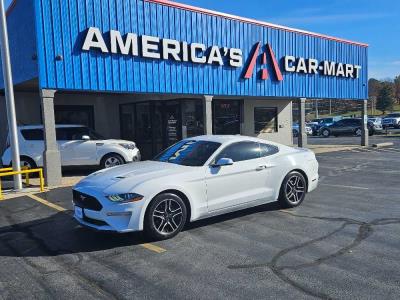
(380, 145)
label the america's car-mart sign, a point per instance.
(152, 47)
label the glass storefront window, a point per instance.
(74, 114)
(227, 116)
(265, 120)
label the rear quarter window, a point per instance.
(33, 134)
(267, 150)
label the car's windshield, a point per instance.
(188, 153)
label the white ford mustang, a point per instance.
(194, 179)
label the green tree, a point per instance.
(385, 100)
(374, 86)
(397, 88)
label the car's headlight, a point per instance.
(127, 146)
(123, 198)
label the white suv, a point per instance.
(78, 145)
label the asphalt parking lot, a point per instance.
(342, 243)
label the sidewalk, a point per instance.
(318, 149)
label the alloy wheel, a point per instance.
(358, 132)
(167, 216)
(295, 189)
(112, 161)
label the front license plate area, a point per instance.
(79, 212)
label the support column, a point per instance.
(364, 127)
(302, 139)
(207, 114)
(51, 154)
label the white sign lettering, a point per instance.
(155, 48)
(327, 68)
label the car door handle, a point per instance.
(262, 167)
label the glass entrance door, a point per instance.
(152, 125)
(172, 122)
(144, 130)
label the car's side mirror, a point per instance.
(85, 138)
(223, 162)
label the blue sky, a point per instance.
(375, 22)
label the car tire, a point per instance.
(27, 162)
(165, 217)
(111, 160)
(293, 190)
(325, 133)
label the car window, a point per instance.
(393, 115)
(267, 150)
(328, 120)
(33, 134)
(76, 133)
(188, 153)
(340, 123)
(240, 151)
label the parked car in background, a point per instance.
(377, 122)
(196, 178)
(296, 129)
(317, 124)
(350, 126)
(78, 145)
(391, 120)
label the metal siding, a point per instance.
(62, 24)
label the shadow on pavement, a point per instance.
(60, 234)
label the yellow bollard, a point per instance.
(41, 180)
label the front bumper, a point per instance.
(133, 156)
(114, 217)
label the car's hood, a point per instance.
(133, 174)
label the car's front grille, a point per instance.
(86, 201)
(94, 221)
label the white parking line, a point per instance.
(345, 186)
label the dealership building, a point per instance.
(156, 71)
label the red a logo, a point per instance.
(264, 72)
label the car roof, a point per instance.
(226, 139)
(57, 126)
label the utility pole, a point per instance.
(316, 109)
(9, 93)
